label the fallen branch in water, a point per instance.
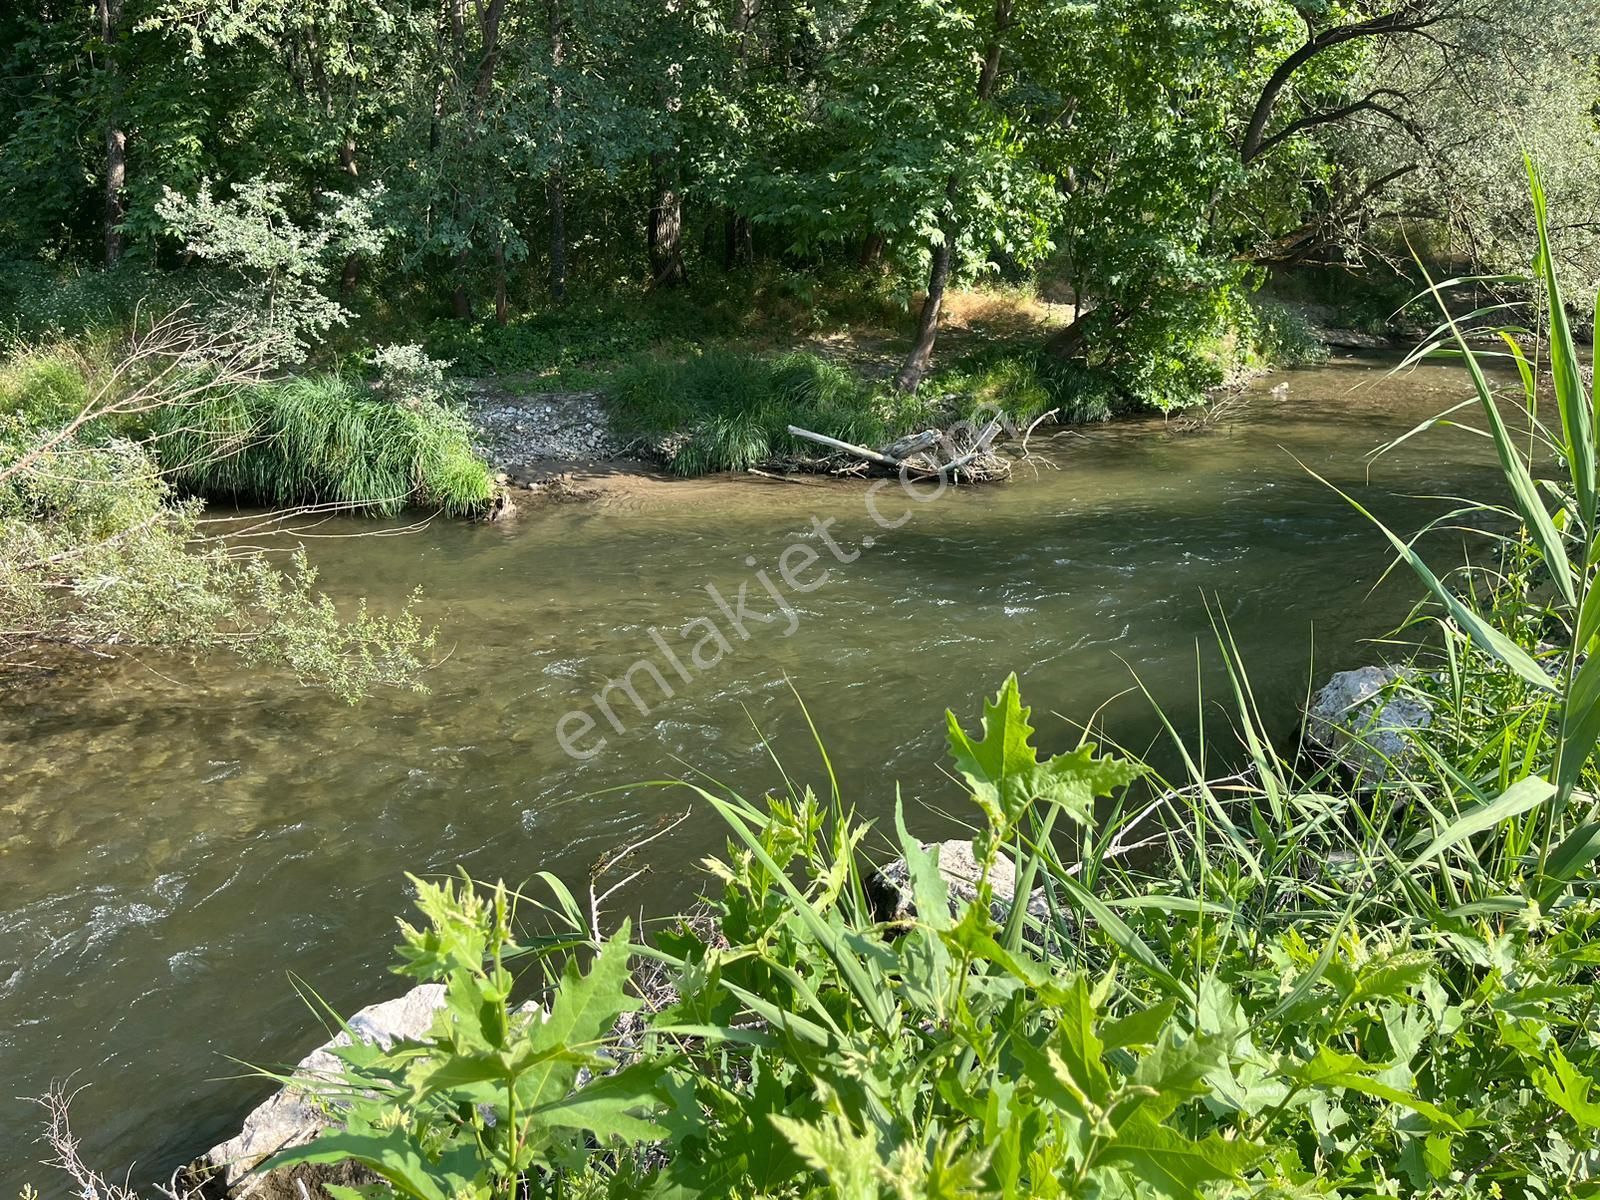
(822, 439)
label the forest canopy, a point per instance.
(465, 158)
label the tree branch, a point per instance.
(1412, 16)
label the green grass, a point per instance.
(323, 439)
(727, 410)
(1023, 383)
(730, 409)
(41, 388)
(599, 328)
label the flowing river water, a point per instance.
(177, 842)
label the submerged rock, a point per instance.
(293, 1117)
(1362, 723)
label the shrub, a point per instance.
(43, 387)
(1024, 384)
(97, 554)
(1277, 334)
(276, 267)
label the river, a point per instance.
(178, 840)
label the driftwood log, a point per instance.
(916, 452)
(822, 439)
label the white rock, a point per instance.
(960, 869)
(1356, 725)
(289, 1118)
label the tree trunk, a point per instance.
(921, 356)
(116, 138)
(666, 229)
(502, 306)
(556, 186)
(738, 248)
(665, 233)
(558, 237)
(460, 301)
(351, 275)
(871, 250)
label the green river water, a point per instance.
(176, 840)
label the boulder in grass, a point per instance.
(958, 864)
(1363, 722)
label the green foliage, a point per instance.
(324, 439)
(103, 547)
(277, 307)
(495, 1090)
(43, 388)
(95, 552)
(1269, 333)
(1240, 1015)
(1123, 141)
(41, 304)
(733, 408)
(1547, 591)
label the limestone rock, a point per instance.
(1360, 722)
(960, 868)
(291, 1118)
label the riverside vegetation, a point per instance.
(1283, 983)
(248, 253)
(732, 216)
(550, 190)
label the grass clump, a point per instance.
(43, 387)
(324, 439)
(1024, 384)
(727, 410)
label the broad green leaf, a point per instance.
(1564, 1086)
(1175, 1071)
(1138, 1029)
(583, 1012)
(928, 888)
(1004, 772)
(1174, 1165)
(390, 1154)
(1332, 1069)
(612, 1106)
(1580, 848)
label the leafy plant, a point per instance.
(496, 1093)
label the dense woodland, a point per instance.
(486, 160)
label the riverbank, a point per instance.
(559, 446)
